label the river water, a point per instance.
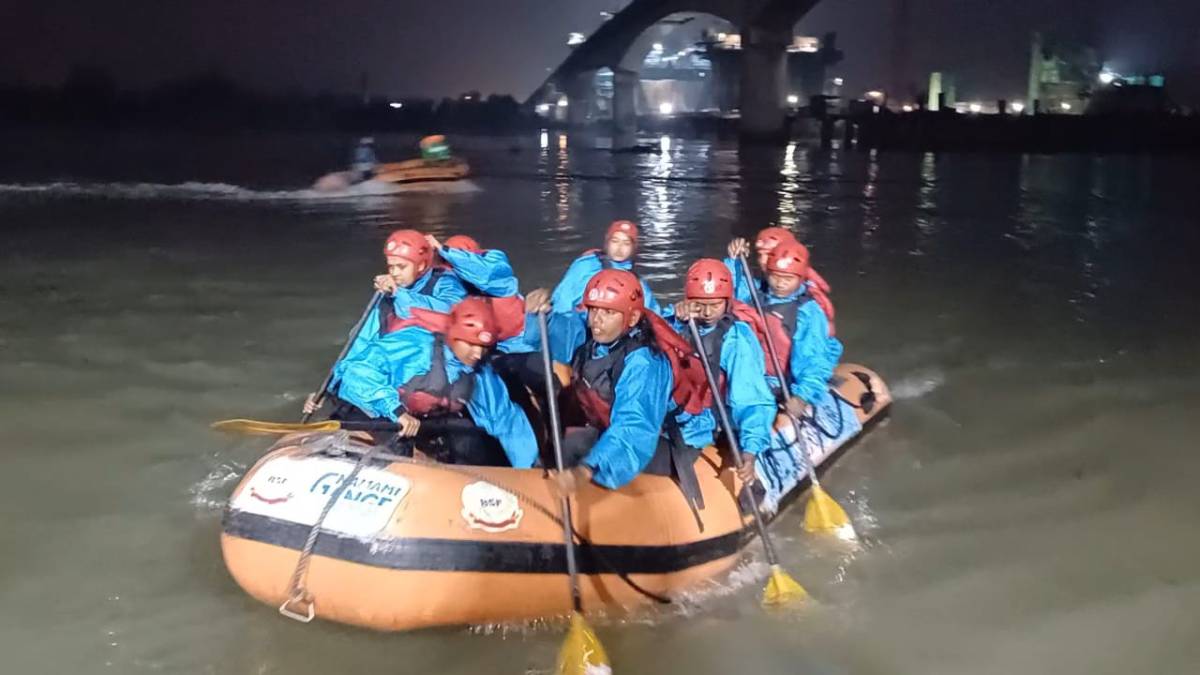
(1028, 507)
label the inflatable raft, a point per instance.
(411, 544)
(394, 177)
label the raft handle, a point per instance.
(286, 608)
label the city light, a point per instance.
(575, 39)
(657, 47)
(975, 108)
(544, 139)
(793, 99)
(665, 108)
(875, 94)
(1064, 105)
(543, 108)
(562, 102)
(1107, 77)
(1017, 107)
(906, 108)
(395, 105)
(837, 81)
(721, 37)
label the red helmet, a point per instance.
(614, 289)
(789, 258)
(473, 321)
(708, 279)
(411, 246)
(625, 227)
(771, 237)
(464, 242)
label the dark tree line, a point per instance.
(91, 97)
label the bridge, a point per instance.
(619, 45)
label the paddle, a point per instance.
(345, 348)
(581, 652)
(430, 426)
(822, 513)
(781, 587)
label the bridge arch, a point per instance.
(765, 27)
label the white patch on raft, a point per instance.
(297, 490)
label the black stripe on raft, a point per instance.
(456, 555)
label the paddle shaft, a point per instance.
(783, 383)
(432, 425)
(719, 404)
(556, 436)
(345, 348)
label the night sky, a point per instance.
(444, 47)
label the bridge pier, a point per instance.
(580, 89)
(764, 78)
(624, 101)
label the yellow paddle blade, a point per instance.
(824, 515)
(260, 427)
(582, 653)
(782, 589)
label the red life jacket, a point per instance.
(433, 393)
(594, 380)
(750, 316)
(510, 316)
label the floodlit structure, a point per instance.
(1062, 75)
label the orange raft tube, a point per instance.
(422, 171)
(412, 544)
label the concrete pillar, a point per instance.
(624, 101)
(580, 89)
(726, 70)
(764, 76)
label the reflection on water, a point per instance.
(1031, 500)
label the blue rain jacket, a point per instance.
(370, 382)
(568, 294)
(364, 157)
(815, 352)
(492, 275)
(641, 400)
(748, 397)
(741, 285)
(446, 292)
(490, 271)
(568, 321)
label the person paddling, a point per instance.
(410, 282)
(629, 380)
(764, 242)
(728, 331)
(437, 368)
(487, 273)
(567, 320)
(800, 316)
